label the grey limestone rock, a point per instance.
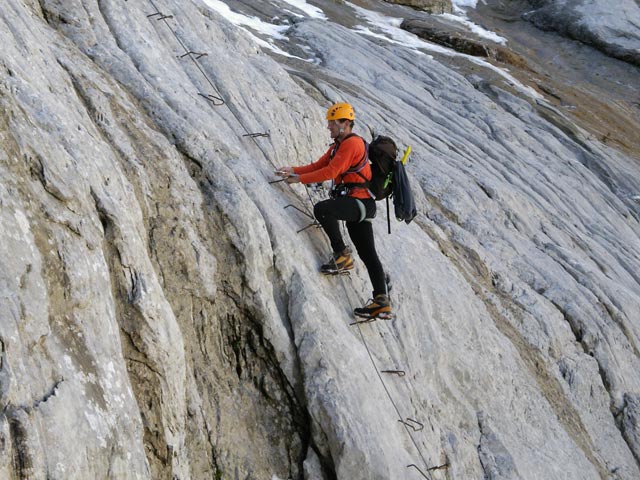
(631, 422)
(430, 6)
(496, 461)
(160, 316)
(613, 27)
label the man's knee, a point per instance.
(322, 209)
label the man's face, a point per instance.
(334, 127)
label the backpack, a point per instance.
(382, 153)
(389, 178)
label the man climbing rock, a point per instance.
(347, 165)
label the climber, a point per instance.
(347, 165)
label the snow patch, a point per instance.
(458, 4)
(392, 33)
(475, 28)
(460, 8)
(274, 48)
(241, 20)
(310, 10)
(254, 23)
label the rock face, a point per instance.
(461, 41)
(161, 317)
(429, 6)
(613, 27)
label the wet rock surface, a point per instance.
(461, 40)
(612, 27)
(162, 318)
(592, 88)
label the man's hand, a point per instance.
(288, 175)
(293, 178)
(284, 172)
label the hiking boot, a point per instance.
(379, 307)
(340, 262)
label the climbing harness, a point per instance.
(342, 189)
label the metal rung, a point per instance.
(411, 423)
(371, 319)
(197, 54)
(314, 224)
(255, 135)
(421, 472)
(161, 16)
(215, 100)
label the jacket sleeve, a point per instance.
(349, 152)
(321, 162)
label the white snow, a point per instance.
(458, 4)
(254, 23)
(366, 31)
(310, 10)
(257, 25)
(392, 33)
(390, 27)
(274, 48)
(475, 28)
(459, 15)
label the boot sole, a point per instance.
(372, 318)
(386, 316)
(343, 271)
(335, 274)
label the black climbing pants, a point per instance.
(329, 212)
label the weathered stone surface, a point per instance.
(496, 461)
(161, 317)
(429, 6)
(462, 41)
(613, 27)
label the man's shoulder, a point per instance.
(354, 141)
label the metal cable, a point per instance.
(164, 18)
(219, 98)
(384, 385)
(254, 137)
(309, 197)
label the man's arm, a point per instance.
(350, 151)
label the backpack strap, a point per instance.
(337, 144)
(363, 162)
(366, 183)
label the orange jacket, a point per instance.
(349, 155)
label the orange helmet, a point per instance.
(341, 111)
